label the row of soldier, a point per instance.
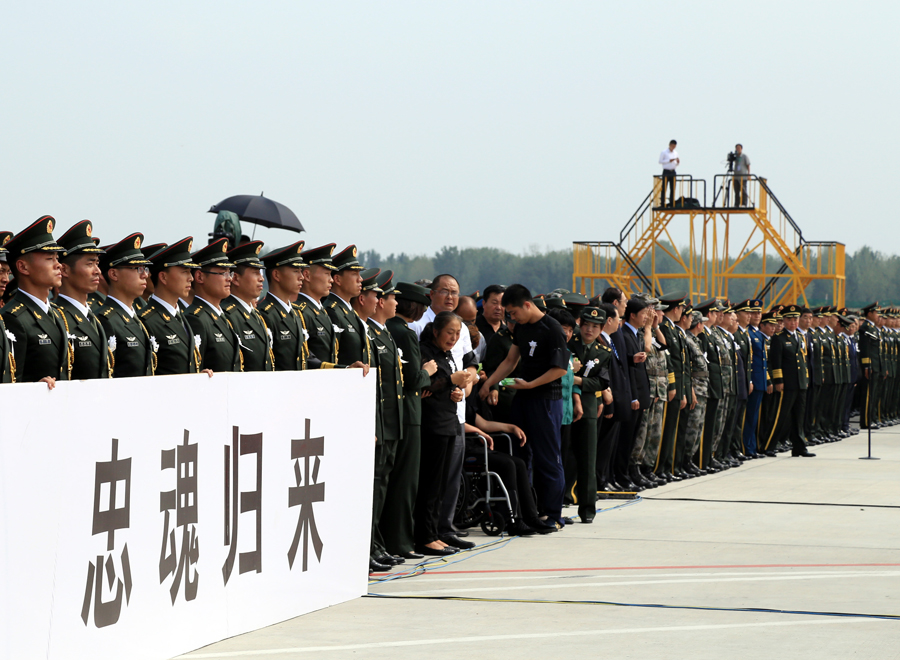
(681, 392)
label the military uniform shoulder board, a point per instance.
(302, 305)
(147, 311)
(334, 304)
(17, 309)
(268, 307)
(230, 307)
(197, 311)
(108, 311)
(606, 348)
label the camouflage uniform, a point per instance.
(649, 435)
(726, 405)
(700, 382)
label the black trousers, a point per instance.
(570, 468)
(709, 427)
(624, 448)
(848, 406)
(668, 179)
(670, 434)
(790, 412)
(433, 468)
(513, 474)
(607, 436)
(396, 523)
(584, 447)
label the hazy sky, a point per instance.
(410, 126)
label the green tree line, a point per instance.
(871, 275)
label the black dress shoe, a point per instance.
(461, 533)
(442, 552)
(519, 528)
(771, 453)
(389, 560)
(456, 542)
(740, 457)
(411, 555)
(803, 453)
(543, 526)
(377, 567)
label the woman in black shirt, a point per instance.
(440, 425)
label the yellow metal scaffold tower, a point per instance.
(757, 241)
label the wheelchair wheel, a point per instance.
(494, 523)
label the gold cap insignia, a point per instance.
(87, 230)
(49, 226)
(594, 313)
(190, 245)
(258, 249)
(6, 239)
(354, 251)
(225, 246)
(299, 248)
(137, 243)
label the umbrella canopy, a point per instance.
(260, 210)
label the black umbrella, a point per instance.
(260, 210)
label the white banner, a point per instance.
(146, 517)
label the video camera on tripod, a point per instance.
(731, 158)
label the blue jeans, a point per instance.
(541, 420)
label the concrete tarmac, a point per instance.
(663, 577)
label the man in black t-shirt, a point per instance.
(539, 349)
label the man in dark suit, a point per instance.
(35, 326)
(80, 278)
(631, 336)
(616, 415)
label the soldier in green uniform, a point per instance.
(870, 360)
(170, 334)
(35, 326)
(679, 368)
(240, 307)
(809, 328)
(148, 251)
(283, 319)
(390, 377)
(396, 522)
(315, 288)
(683, 465)
(6, 356)
(592, 377)
(215, 338)
(352, 343)
(791, 378)
(80, 278)
(125, 269)
(828, 396)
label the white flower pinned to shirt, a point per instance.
(10, 335)
(305, 334)
(269, 332)
(154, 344)
(400, 353)
(337, 329)
(197, 341)
(112, 343)
(71, 336)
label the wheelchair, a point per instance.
(483, 497)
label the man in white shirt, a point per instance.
(444, 298)
(669, 160)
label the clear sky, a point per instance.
(410, 126)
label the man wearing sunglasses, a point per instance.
(214, 337)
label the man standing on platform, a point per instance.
(741, 175)
(669, 160)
